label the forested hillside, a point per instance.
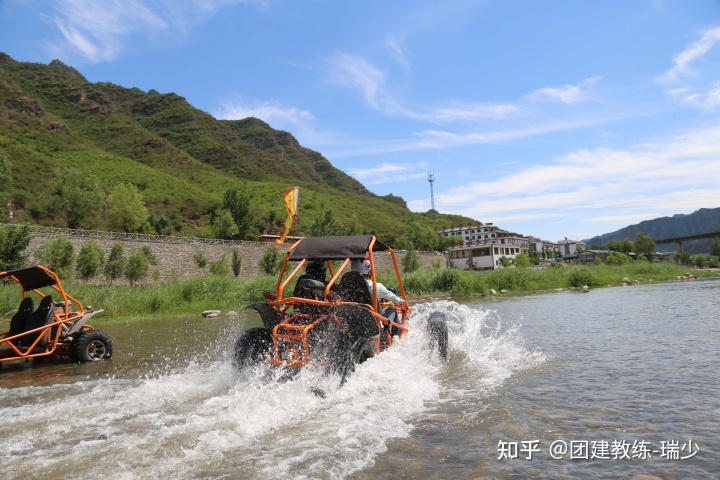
(62, 136)
(705, 220)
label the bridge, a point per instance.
(679, 240)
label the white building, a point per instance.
(570, 248)
(480, 247)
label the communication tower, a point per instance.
(431, 179)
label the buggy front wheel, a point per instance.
(252, 347)
(91, 346)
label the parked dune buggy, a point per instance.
(332, 318)
(58, 327)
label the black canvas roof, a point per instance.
(32, 277)
(335, 248)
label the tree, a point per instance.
(324, 225)
(236, 262)
(160, 223)
(627, 246)
(224, 224)
(137, 266)
(58, 255)
(534, 257)
(521, 260)
(238, 204)
(410, 262)
(700, 261)
(90, 259)
(644, 245)
(715, 247)
(151, 258)
(270, 261)
(5, 173)
(14, 240)
(126, 209)
(684, 258)
(76, 197)
(616, 258)
(220, 267)
(116, 262)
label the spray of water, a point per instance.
(208, 421)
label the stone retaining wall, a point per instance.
(175, 260)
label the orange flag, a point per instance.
(291, 200)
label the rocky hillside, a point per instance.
(181, 158)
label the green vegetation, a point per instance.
(222, 291)
(116, 263)
(270, 262)
(463, 283)
(13, 242)
(90, 259)
(188, 167)
(59, 256)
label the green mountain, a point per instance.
(705, 220)
(180, 158)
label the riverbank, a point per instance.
(191, 297)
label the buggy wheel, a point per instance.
(438, 332)
(91, 346)
(352, 354)
(252, 347)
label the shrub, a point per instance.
(236, 262)
(410, 262)
(220, 267)
(58, 255)
(580, 276)
(137, 266)
(90, 259)
(270, 261)
(200, 260)
(115, 265)
(14, 240)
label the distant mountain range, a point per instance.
(705, 220)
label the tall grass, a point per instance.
(190, 297)
(466, 283)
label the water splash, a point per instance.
(205, 420)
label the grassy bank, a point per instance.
(224, 293)
(463, 283)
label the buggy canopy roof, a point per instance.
(335, 248)
(30, 278)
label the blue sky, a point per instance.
(548, 118)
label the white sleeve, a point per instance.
(384, 293)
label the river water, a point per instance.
(615, 383)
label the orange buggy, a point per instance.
(334, 316)
(58, 326)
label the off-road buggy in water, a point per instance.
(58, 327)
(333, 318)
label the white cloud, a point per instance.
(682, 62)
(675, 175)
(358, 74)
(94, 29)
(387, 173)
(98, 30)
(271, 112)
(568, 94)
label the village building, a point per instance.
(482, 246)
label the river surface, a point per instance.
(616, 383)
